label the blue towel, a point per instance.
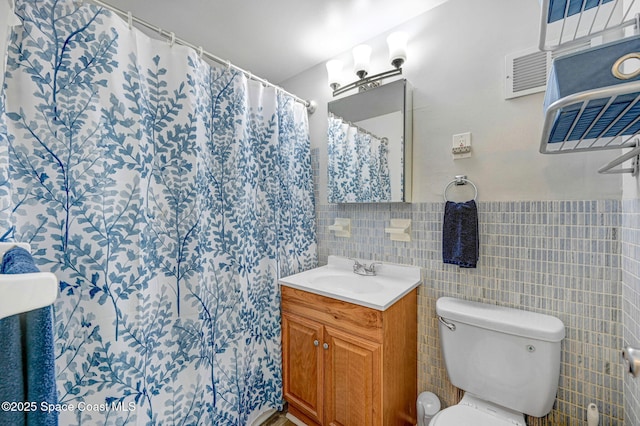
(460, 240)
(27, 355)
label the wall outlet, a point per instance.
(461, 146)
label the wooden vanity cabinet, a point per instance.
(303, 365)
(346, 364)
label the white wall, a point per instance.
(456, 65)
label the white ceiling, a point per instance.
(276, 39)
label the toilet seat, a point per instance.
(471, 411)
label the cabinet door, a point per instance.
(352, 380)
(302, 364)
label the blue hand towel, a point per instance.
(27, 355)
(460, 240)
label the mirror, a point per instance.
(369, 146)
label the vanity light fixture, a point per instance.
(397, 43)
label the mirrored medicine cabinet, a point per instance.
(369, 141)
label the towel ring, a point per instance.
(460, 180)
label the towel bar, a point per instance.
(633, 154)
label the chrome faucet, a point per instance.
(364, 269)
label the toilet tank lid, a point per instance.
(502, 319)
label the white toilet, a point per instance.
(506, 360)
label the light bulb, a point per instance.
(397, 48)
(334, 69)
(361, 57)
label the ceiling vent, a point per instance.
(526, 73)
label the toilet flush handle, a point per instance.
(449, 325)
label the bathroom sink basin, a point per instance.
(338, 281)
(353, 283)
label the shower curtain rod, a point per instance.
(359, 129)
(311, 106)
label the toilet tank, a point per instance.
(506, 356)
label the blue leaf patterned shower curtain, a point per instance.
(168, 196)
(358, 164)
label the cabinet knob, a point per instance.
(316, 343)
(325, 345)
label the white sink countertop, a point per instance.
(337, 280)
(25, 292)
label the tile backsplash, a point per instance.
(631, 301)
(562, 258)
